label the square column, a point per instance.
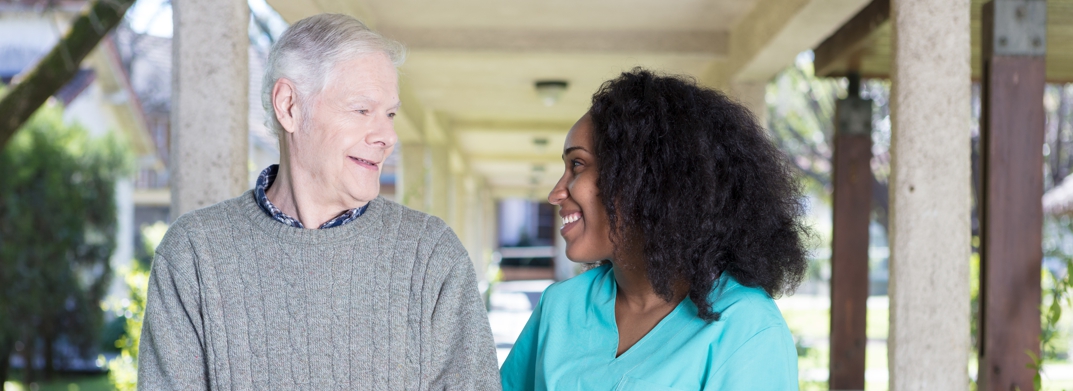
(852, 182)
(752, 95)
(411, 185)
(210, 109)
(1014, 34)
(930, 193)
(438, 197)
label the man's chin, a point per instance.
(364, 193)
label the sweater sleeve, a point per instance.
(463, 353)
(171, 352)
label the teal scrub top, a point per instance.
(571, 339)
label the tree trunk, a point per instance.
(881, 203)
(1059, 168)
(50, 356)
(1062, 166)
(59, 66)
(29, 355)
(6, 348)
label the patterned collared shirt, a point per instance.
(265, 180)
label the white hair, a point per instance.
(308, 51)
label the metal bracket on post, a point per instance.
(1020, 28)
(854, 114)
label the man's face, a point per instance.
(349, 131)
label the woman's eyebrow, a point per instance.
(571, 149)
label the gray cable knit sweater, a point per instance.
(387, 302)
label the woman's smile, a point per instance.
(569, 220)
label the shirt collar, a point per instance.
(265, 180)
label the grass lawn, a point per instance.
(809, 321)
(65, 383)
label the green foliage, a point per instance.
(123, 371)
(974, 295)
(1057, 293)
(800, 118)
(57, 232)
(65, 382)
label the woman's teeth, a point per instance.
(571, 218)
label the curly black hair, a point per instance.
(692, 176)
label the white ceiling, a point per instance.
(472, 64)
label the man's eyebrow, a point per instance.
(358, 99)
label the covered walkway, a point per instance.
(490, 89)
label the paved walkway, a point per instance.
(511, 304)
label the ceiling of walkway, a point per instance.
(468, 81)
(871, 56)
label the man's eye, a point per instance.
(363, 111)
(391, 115)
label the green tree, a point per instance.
(60, 65)
(57, 233)
(801, 113)
(123, 371)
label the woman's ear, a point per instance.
(285, 104)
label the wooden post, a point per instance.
(849, 244)
(1014, 33)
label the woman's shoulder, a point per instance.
(748, 309)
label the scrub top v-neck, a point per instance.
(571, 340)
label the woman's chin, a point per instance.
(577, 256)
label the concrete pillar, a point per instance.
(439, 175)
(471, 221)
(456, 205)
(209, 116)
(123, 255)
(929, 195)
(410, 178)
(751, 94)
(490, 225)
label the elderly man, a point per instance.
(310, 280)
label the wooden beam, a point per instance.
(751, 35)
(850, 38)
(852, 182)
(1012, 131)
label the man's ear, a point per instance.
(285, 104)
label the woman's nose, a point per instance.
(558, 193)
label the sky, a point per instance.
(151, 16)
(154, 16)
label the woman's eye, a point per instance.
(574, 164)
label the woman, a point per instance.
(694, 218)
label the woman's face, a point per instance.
(585, 224)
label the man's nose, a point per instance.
(383, 133)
